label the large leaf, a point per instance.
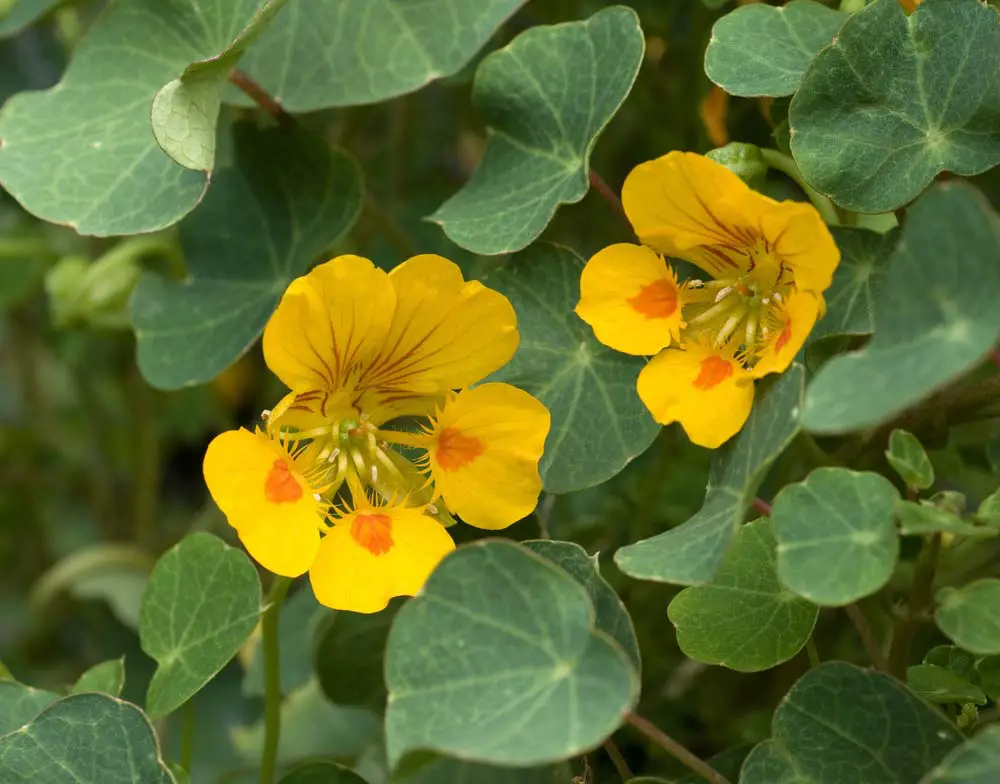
(898, 99)
(82, 153)
(935, 319)
(545, 98)
(19, 704)
(744, 619)
(84, 739)
(499, 661)
(301, 196)
(763, 50)
(578, 379)
(836, 535)
(347, 52)
(691, 553)
(970, 615)
(977, 761)
(840, 723)
(452, 771)
(201, 604)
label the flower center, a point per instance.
(656, 300)
(373, 532)
(455, 449)
(281, 487)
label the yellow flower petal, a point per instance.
(704, 389)
(374, 554)
(690, 207)
(264, 496)
(795, 322)
(484, 454)
(447, 333)
(801, 242)
(329, 324)
(632, 299)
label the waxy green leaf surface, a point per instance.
(970, 615)
(977, 761)
(19, 704)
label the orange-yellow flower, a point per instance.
(373, 361)
(769, 261)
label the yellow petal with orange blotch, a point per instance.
(329, 324)
(706, 390)
(632, 299)
(374, 554)
(484, 452)
(266, 499)
(794, 323)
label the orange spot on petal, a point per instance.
(656, 300)
(455, 449)
(784, 337)
(373, 532)
(714, 370)
(281, 487)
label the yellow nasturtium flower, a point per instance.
(380, 434)
(769, 264)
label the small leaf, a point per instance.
(935, 319)
(19, 704)
(499, 661)
(977, 761)
(857, 283)
(579, 380)
(107, 677)
(304, 197)
(989, 510)
(960, 662)
(84, 739)
(907, 457)
(180, 775)
(970, 615)
(841, 724)
(917, 519)
(836, 537)
(201, 604)
(744, 619)
(898, 99)
(322, 773)
(763, 50)
(940, 686)
(545, 97)
(691, 553)
(988, 676)
(611, 617)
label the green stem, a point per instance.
(872, 647)
(776, 159)
(187, 735)
(618, 760)
(147, 461)
(272, 678)
(676, 750)
(921, 595)
(812, 653)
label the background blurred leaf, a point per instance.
(24, 13)
(917, 519)
(322, 773)
(498, 661)
(302, 195)
(744, 618)
(898, 99)
(691, 553)
(201, 604)
(347, 52)
(970, 615)
(836, 537)
(545, 98)
(85, 739)
(935, 319)
(977, 761)
(579, 380)
(763, 50)
(107, 677)
(842, 723)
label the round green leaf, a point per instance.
(836, 535)
(841, 724)
(970, 615)
(107, 677)
(349, 52)
(84, 739)
(939, 686)
(322, 773)
(977, 761)
(989, 510)
(935, 319)
(744, 619)
(611, 617)
(82, 153)
(498, 660)
(897, 99)
(763, 50)
(907, 457)
(545, 97)
(19, 704)
(201, 604)
(691, 553)
(303, 196)
(578, 379)
(451, 771)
